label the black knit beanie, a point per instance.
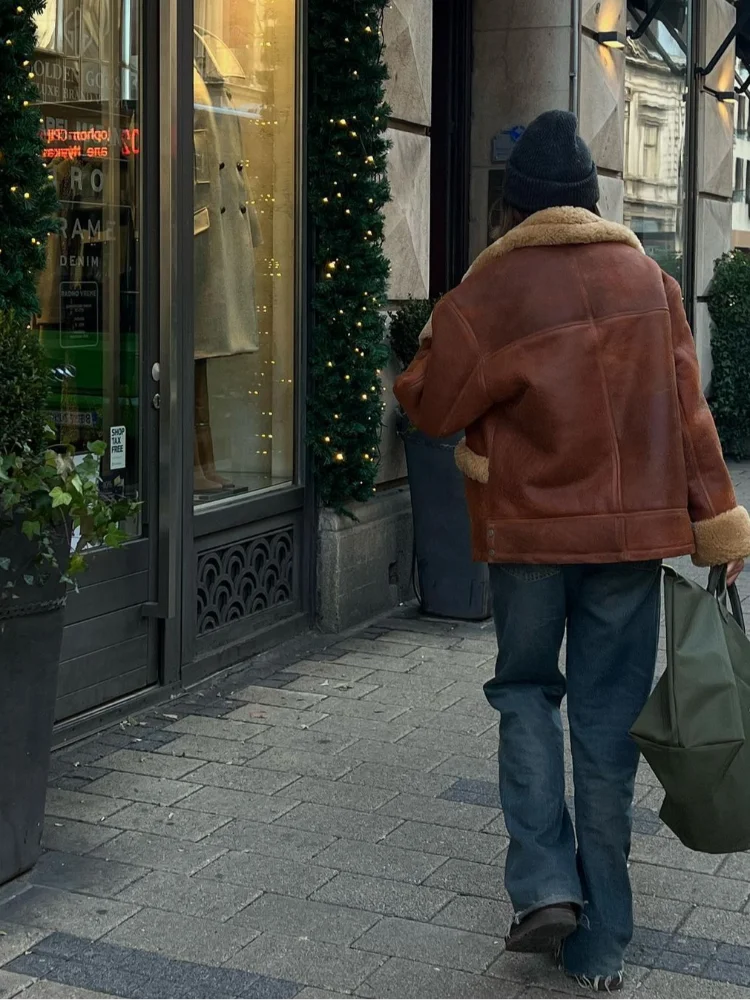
(551, 166)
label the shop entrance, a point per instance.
(95, 321)
(172, 310)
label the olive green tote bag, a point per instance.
(695, 728)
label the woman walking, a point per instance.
(590, 455)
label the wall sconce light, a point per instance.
(725, 96)
(610, 39)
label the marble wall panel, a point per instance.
(407, 216)
(407, 29)
(611, 193)
(713, 237)
(602, 103)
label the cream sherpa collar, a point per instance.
(551, 227)
(555, 227)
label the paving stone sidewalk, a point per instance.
(328, 826)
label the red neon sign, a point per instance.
(90, 143)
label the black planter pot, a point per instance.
(451, 585)
(31, 629)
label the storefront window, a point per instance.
(655, 87)
(244, 246)
(87, 70)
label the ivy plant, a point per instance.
(54, 498)
(47, 492)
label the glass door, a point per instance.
(92, 315)
(249, 575)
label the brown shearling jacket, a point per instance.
(566, 356)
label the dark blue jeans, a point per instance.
(611, 614)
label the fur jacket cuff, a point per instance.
(723, 538)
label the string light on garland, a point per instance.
(28, 199)
(346, 127)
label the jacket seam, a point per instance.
(617, 470)
(589, 517)
(593, 558)
(490, 449)
(560, 328)
(478, 364)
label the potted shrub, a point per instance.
(451, 585)
(729, 307)
(51, 515)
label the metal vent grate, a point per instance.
(244, 578)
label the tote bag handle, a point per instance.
(717, 585)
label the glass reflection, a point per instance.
(655, 114)
(741, 194)
(87, 70)
(244, 246)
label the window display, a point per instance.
(244, 250)
(87, 68)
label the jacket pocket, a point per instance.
(473, 466)
(201, 221)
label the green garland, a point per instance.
(347, 189)
(27, 193)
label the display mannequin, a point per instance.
(226, 231)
